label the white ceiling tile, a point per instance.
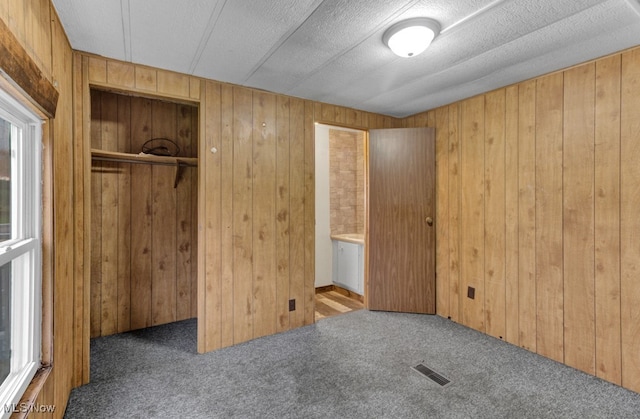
(171, 27)
(336, 27)
(247, 30)
(93, 26)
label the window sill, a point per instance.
(28, 400)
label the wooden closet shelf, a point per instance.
(142, 158)
(177, 162)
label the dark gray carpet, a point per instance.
(357, 365)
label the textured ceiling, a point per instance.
(332, 51)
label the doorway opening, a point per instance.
(340, 207)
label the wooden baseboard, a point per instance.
(326, 288)
(342, 291)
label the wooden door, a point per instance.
(401, 220)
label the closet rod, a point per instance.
(177, 162)
(132, 161)
(114, 156)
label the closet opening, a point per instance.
(143, 213)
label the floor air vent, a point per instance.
(431, 374)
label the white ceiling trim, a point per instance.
(126, 28)
(206, 35)
(473, 16)
(293, 29)
(635, 5)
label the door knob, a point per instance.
(429, 221)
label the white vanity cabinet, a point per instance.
(348, 264)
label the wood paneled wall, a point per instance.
(259, 210)
(37, 27)
(143, 233)
(255, 194)
(537, 210)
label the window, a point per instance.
(20, 249)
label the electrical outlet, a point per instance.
(471, 293)
(292, 305)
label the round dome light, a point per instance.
(411, 37)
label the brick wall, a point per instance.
(346, 181)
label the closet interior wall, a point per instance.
(143, 230)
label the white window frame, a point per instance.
(23, 250)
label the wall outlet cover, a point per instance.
(471, 293)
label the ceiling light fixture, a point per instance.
(410, 37)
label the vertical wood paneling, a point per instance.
(195, 211)
(82, 225)
(227, 214)
(141, 241)
(109, 177)
(454, 213)
(442, 211)
(123, 228)
(494, 209)
(607, 219)
(422, 120)
(512, 324)
(527, 215)
(472, 216)
(96, 221)
(629, 221)
(297, 202)
(264, 195)
(209, 300)
(243, 214)
(257, 214)
(309, 214)
(163, 224)
(183, 216)
(17, 17)
(204, 146)
(109, 251)
(578, 160)
(59, 136)
(409, 122)
(283, 212)
(549, 300)
(38, 32)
